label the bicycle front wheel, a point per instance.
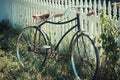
(29, 42)
(84, 57)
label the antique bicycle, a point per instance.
(34, 43)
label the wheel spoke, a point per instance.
(85, 57)
(28, 51)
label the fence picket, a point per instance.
(109, 9)
(95, 7)
(119, 14)
(21, 11)
(104, 5)
(90, 3)
(114, 9)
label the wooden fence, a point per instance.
(21, 12)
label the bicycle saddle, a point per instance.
(44, 16)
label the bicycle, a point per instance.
(83, 52)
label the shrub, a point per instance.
(109, 44)
(7, 32)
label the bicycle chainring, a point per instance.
(51, 53)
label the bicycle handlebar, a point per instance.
(58, 15)
(77, 9)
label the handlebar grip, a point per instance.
(58, 15)
(90, 14)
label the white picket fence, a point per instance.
(21, 12)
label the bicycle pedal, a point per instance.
(46, 47)
(51, 53)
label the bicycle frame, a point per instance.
(77, 19)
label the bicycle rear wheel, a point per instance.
(29, 42)
(84, 57)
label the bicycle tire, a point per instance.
(31, 37)
(84, 57)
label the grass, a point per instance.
(10, 69)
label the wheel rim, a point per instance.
(84, 58)
(28, 47)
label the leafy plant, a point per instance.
(6, 33)
(109, 44)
